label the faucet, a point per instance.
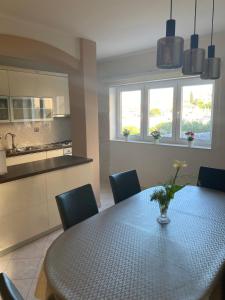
(13, 136)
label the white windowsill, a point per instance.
(162, 144)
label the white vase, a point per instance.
(126, 138)
(190, 143)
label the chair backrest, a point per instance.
(8, 291)
(212, 178)
(76, 205)
(124, 185)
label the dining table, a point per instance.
(124, 253)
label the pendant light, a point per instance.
(194, 57)
(170, 48)
(211, 65)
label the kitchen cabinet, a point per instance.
(31, 109)
(56, 87)
(22, 159)
(23, 84)
(34, 89)
(4, 109)
(4, 84)
(23, 210)
(28, 206)
(54, 153)
(61, 105)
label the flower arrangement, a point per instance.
(190, 136)
(156, 134)
(163, 195)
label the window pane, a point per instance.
(131, 111)
(196, 111)
(160, 114)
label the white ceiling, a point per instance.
(118, 26)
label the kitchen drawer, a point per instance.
(54, 153)
(22, 159)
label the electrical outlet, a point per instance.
(36, 129)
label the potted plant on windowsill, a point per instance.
(126, 133)
(156, 136)
(164, 194)
(190, 138)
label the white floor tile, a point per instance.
(31, 293)
(22, 268)
(3, 265)
(24, 286)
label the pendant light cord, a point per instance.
(171, 9)
(195, 16)
(213, 8)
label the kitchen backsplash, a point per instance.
(37, 133)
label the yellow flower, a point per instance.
(178, 164)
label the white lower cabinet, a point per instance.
(22, 159)
(54, 153)
(23, 210)
(28, 206)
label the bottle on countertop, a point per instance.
(3, 166)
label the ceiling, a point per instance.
(118, 26)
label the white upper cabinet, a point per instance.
(4, 84)
(23, 84)
(57, 88)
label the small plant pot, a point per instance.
(190, 143)
(126, 138)
(156, 141)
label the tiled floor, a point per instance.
(23, 265)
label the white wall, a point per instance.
(56, 38)
(154, 162)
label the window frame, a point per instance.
(192, 82)
(128, 88)
(157, 85)
(177, 84)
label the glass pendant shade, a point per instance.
(170, 48)
(211, 65)
(193, 58)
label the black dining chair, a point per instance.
(8, 291)
(76, 205)
(211, 178)
(124, 185)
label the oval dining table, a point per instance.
(124, 253)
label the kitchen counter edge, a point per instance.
(42, 166)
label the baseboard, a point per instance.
(28, 241)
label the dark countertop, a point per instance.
(42, 148)
(42, 166)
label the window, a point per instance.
(196, 112)
(130, 111)
(172, 107)
(160, 110)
